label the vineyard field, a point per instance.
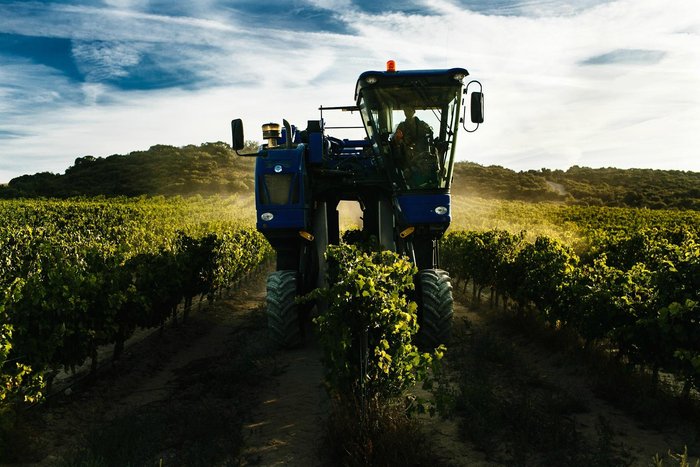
(82, 273)
(567, 224)
(626, 278)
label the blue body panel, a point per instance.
(291, 210)
(315, 148)
(419, 208)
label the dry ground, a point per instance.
(632, 439)
(216, 392)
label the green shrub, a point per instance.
(367, 328)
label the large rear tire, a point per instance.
(282, 312)
(436, 307)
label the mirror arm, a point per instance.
(467, 129)
(466, 88)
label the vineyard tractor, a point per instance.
(399, 172)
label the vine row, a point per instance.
(79, 274)
(636, 292)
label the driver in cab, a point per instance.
(412, 139)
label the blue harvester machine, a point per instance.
(400, 174)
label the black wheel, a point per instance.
(282, 313)
(436, 310)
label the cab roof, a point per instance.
(410, 77)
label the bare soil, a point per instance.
(214, 391)
(180, 397)
(286, 428)
(634, 440)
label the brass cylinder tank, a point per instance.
(271, 132)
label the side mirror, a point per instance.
(477, 107)
(237, 133)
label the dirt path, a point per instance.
(636, 441)
(287, 427)
(641, 442)
(214, 388)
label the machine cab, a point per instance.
(411, 119)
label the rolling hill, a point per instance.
(212, 168)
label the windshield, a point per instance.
(414, 130)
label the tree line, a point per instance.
(211, 168)
(637, 188)
(214, 168)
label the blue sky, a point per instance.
(597, 83)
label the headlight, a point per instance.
(278, 168)
(267, 216)
(441, 210)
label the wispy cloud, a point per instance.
(5, 134)
(102, 60)
(626, 56)
(587, 82)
